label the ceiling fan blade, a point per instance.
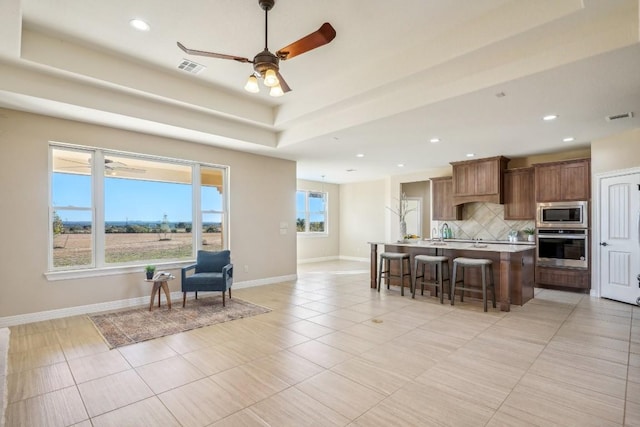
(318, 38)
(128, 169)
(211, 54)
(283, 84)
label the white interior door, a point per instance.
(620, 237)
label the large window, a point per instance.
(311, 212)
(110, 209)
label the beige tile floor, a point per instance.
(319, 359)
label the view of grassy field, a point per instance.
(75, 249)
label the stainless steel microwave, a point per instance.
(562, 215)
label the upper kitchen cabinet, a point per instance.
(479, 180)
(563, 181)
(443, 207)
(519, 197)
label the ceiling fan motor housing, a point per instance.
(266, 4)
(264, 61)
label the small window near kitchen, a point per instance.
(311, 212)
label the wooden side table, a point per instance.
(160, 282)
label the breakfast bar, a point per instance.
(513, 264)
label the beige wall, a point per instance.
(262, 195)
(362, 217)
(617, 152)
(321, 247)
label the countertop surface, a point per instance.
(486, 246)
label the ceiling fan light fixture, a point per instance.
(252, 84)
(276, 91)
(270, 78)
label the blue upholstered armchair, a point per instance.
(213, 272)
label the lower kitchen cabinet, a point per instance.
(563, 277)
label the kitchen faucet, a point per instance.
(444, 231)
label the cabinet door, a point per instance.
(487, 177)
(519, 198)
(548, 183)
(443, 208)
(564, 277)
(464, 183)
(575, 181)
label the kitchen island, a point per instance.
(513, 264)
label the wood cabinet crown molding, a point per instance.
(479, 180)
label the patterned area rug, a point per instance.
(131, 326)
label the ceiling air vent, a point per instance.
(620, 116)
(191, 67)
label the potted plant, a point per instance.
(531, 233)
(149, 270)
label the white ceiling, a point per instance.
(396, 75)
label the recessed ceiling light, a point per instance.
(550, 117)
(139, 25)
(400, 165)
(434, 140)
(569, 139)
(470, 154)
(500, 95)
(359, 155)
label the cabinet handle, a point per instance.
(604, 244)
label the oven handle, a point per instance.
(568, 236)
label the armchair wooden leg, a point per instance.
(184, 299)
(223, 301)
(229, 292)
(196, 294)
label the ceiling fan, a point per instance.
(266, 64)
(109, 166)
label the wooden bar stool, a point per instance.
(473, 263)
(386, 258)
(438, 262)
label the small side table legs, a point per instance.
(156, 289)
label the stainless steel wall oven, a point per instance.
(563, 247)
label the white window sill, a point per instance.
(313, 235)
(53, 276)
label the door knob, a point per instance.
(604, 244)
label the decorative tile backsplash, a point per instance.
(484, 221)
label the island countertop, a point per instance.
(464, 245)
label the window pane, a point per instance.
(301, 197)
(300, 221)
(316, 223)
(211, 189)
(147, 208)
(72, 238)
(212, 228)
(316, 202)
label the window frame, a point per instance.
(308, 213)
(98, 265)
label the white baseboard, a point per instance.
(125, 303)
(321, 259)
(353, 258)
